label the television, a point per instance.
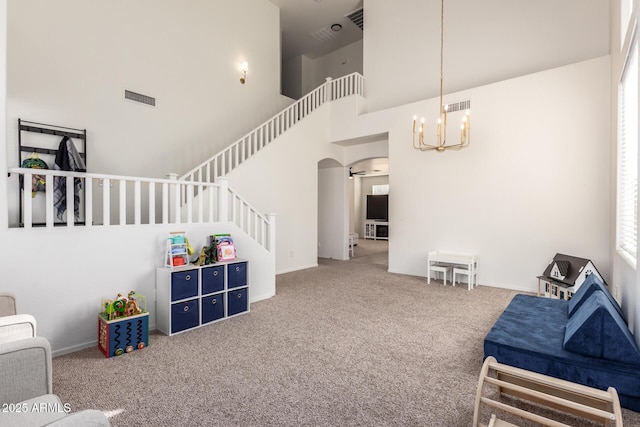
(378, 207)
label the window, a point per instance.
(627, 200)
(380, 189)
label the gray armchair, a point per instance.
(26, 392)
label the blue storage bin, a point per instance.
(237, 301)
(184, 284)
(237, 275)
(212, 308)
(184, 315)
(212, 279)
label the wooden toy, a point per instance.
(123, 325)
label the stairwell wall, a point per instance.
(70, 61)
(283, 179)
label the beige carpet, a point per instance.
(345, 343)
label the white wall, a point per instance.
(283, 179)
(485, 42)
(69, 62)
(292, 78)
(535, 180)
(333, 218)
(341, 62)
(60, 275)
(301, 75)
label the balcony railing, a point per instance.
(110, 200)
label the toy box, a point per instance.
(123, 325)
(123, 335)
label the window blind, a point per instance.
(627, 200)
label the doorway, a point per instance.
(368, 210)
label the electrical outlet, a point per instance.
(291, 254)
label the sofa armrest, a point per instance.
(7, 304)
(26, 369)
(17, 327)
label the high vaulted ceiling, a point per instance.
(306, 26)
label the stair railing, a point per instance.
(231, 157)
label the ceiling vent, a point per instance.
(138, 97)
(357, 17)
(459, 106)
(324, 34)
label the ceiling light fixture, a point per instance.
(336, 27)
(465, 128)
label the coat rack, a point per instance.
(25, 150)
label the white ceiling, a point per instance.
(300, 19)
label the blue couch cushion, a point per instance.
(529, 334)
(591, 284)
(597, 330)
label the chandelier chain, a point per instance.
(465, 128)
(441, 52)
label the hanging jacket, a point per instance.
(67, 159)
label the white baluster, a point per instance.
(27, 208)
(212, 197)
(88, 202)
(200, 204)
(189, 196)
(272, 233)
(123, 202)
(70, 201)
(106, 202)
(174, 199)
(166, 201)
(152, 203)
(136, 202)
(223, 200)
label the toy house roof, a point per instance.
(569, 266)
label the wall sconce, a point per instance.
(244, 66)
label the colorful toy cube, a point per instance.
(123, 335)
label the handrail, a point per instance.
(232, 156)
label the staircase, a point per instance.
(250, 144)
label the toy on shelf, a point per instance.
(178, 250)
(124, 307)
(123, 325)
(225, 249)
(220, 248)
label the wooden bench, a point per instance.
(542, 391)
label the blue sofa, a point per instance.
(585, 340)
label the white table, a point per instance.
(470, 261)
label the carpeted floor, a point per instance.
(345, 343)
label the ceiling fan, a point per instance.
(352, 173)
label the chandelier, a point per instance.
(465, 127)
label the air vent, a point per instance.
(357, 17)
(137, 97)
(457, 106)
(324, 34)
